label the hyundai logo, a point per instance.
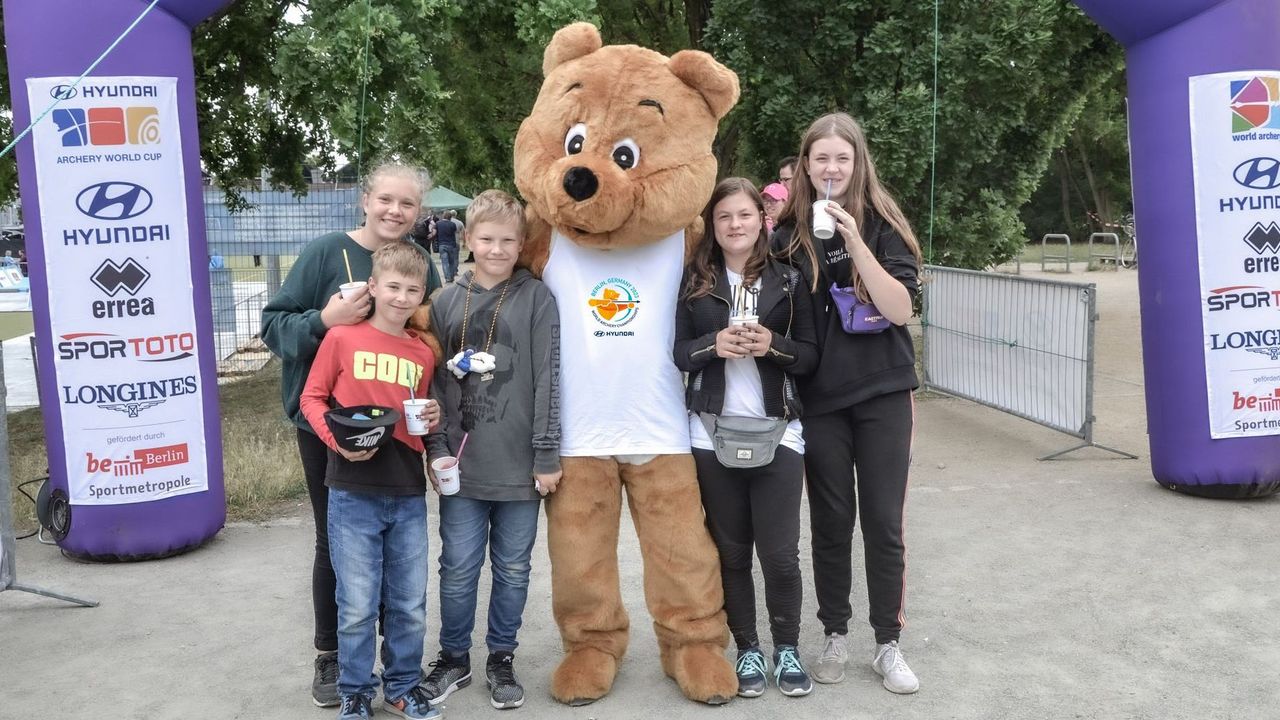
(128, 276)
(1261, 173)
(114, 200)
(63, 92)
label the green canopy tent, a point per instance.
(442, 198)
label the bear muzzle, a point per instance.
(580, 183)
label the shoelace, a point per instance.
(504, 672)
(897, 663)
(788, 663)
(329, 669)
(751, 663)
(439, 668)
(417, 696)
(352, 705)
(834, 650)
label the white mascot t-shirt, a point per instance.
(620, 390)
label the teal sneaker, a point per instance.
(789, 673)
(751, 673)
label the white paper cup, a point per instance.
(415, 425)
(348, 289)
(743, 320)
(824, 225)
(446, 469)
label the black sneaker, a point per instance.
(324, 686)
(751, 673)
(447, 674)
(789, 673)
(505, 690)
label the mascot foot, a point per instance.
(584, 676)
(702, 672)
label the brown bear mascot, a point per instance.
(615, 163)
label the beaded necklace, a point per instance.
(493, 324)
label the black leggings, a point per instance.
(324, 586)
(860, 455)
(759, 506)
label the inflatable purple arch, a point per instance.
(112, 204)
(1204, 129)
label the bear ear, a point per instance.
(717, 84)
(569, 43)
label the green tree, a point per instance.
(1086, 187)
(274, 92)
(1013, 77)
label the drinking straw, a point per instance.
(346, 261)
(828, 197)
(462, 445)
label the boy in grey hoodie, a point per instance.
(500, 391)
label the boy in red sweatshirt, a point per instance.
(377, 497)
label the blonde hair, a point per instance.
(864, 190)
(496, 206)
(417, 175)
(400, 257)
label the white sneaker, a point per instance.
(830, 666)
(891, 666)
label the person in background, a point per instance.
(774, 196)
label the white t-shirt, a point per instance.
(743, 394)
(620, 390)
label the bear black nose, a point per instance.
(580, 183)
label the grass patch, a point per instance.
(14, 324)
(260, 450)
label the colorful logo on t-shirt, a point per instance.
(1255, 104)
(614, 302)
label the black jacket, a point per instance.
(854, 368)
(783, 307)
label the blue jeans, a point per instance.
(378, 545)
(449, 261)
(509, 529)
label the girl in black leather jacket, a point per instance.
(744, 328)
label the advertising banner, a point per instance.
(1235, 138)
(113, 210)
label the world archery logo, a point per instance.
(1254, 104)
(614, 302)
(105, 126)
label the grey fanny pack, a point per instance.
(744, 442)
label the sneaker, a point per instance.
(830, 667)
(355, 707)
(751, 673)
(505, 690)
(789, 673)
(324, 686)
(415, 704)
(891, 666)
(446, 676)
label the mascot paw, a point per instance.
(702, 672)
(586, 675)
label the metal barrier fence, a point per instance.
(250, 252)
(1020, 345)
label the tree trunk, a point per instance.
(1100, 218)
(696, 15)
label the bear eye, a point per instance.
(575, 139)
(626, 153)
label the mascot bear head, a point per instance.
(617, 150)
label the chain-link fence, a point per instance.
(251, 251)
